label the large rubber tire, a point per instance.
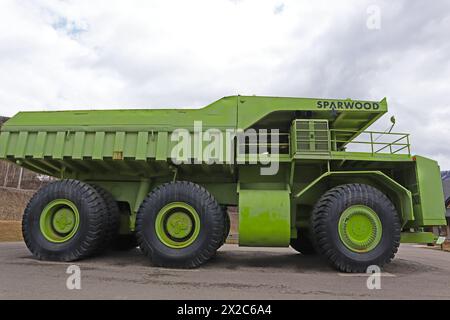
(327, 240)
(114, 240)
(227, 223)
(90, 233)
(111, 229)
(303, 244)
(447, 203)
(211, 225)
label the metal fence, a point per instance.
(15, 177)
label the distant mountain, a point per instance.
(445, 175)
(3, 120)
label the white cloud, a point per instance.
(112, 54)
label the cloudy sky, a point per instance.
(57, 54)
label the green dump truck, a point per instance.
(303, 173)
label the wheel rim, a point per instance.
(59, 221)
(360, 229)
(177, 225)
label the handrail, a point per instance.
(374, 132)
(337, 140)
(399, 142)
(312, 138)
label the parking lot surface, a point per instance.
(235, 273)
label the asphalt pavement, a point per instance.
(235, 273)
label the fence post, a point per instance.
(5, 182)
(19, 184)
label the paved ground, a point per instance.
(236, 273)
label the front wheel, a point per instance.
(356, 226)
(180, 225)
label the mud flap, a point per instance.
(264, 218)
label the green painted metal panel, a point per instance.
(98, 146)
(359, 115)
(228, 112)
(219, 114)
(151, 150)
(40, 144)
(12, 143)
(89, 141)
(130, 145)
(49, 144)
(418, 237)
(78, 145)
(69, 144)
(142, 146)
(108, 145)
(161, 148)
(430, 205)
(88, 134)
(21, 144)
(4, 142)
(264, 218)
(58, 147)
(29, 145)
(119, 143)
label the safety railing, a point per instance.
(370, 141)
(319, 139)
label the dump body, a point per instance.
(53, 142)
(314, 144)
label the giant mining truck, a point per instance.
(303, 173)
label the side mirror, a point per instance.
(393, 124)
(393, 120)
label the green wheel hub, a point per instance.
(177, 225)
(59, 221)
(360, 229)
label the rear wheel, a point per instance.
(65, 221)
(113, 239)
(356, 226)
(227, 223)
(111, 229)
(180, 225)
